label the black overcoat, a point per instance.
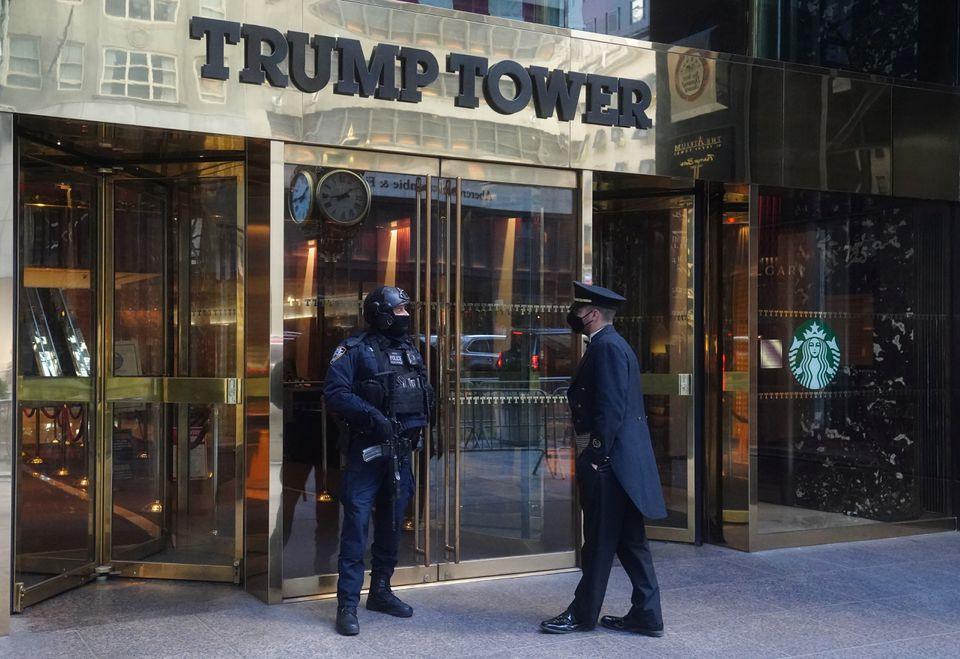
(606, 400)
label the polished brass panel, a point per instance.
(200, 390)
(326, 584)
(256, 387)
(51, 587)
(586, 229)
(299, 154)
(8, 342)
(736, 381)
(37, 277)
(436, 126)
(134, 388)
(507, 565)
(254, 458)
(67, 389)
(271, 460)
(663, 383)
(185, 571)
(627, 150)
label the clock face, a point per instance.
(343, 197)
(300, 201)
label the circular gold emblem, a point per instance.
(690, 77)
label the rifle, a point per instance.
(391, 448)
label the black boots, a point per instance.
(381, 598)
(347, 624)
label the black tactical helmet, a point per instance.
(379, 304)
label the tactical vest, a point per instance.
(399, 388)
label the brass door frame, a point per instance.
(670, 384)
(435, 318)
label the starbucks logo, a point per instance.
(814, 355)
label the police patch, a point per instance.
(338, 353)
(395, 357)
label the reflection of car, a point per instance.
(544, 356)
(479, 352)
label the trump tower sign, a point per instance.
(267, 49)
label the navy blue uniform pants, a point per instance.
(368, 488)
(612, 525)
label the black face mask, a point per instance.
(399, 328)
(575, 322)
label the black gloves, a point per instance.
(380, 429)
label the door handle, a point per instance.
(424, 470)
(457, 333)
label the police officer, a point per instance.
(616, 472)
(377, 385)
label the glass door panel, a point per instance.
(55, 540)
(508, 486)
(643, 249)
(176, 296)
(55, 497)
(139, 516)
(327, 272)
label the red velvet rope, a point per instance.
(65, 415)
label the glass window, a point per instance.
(857, 35)
(164, 11)
(211, 91)
(24, 62)
(852, 411)
(213, 8)
(147, 76)
(70, 68)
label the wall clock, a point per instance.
(300, 195)
(343, 197)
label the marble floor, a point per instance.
(884, 598)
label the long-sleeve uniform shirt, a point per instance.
(356, 360)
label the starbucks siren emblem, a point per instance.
(814, 355)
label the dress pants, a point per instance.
(612, 525)
(368, 487)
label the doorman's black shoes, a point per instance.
(564, 623)
(347, 623)
(623, 625)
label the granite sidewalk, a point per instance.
(885, 598)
